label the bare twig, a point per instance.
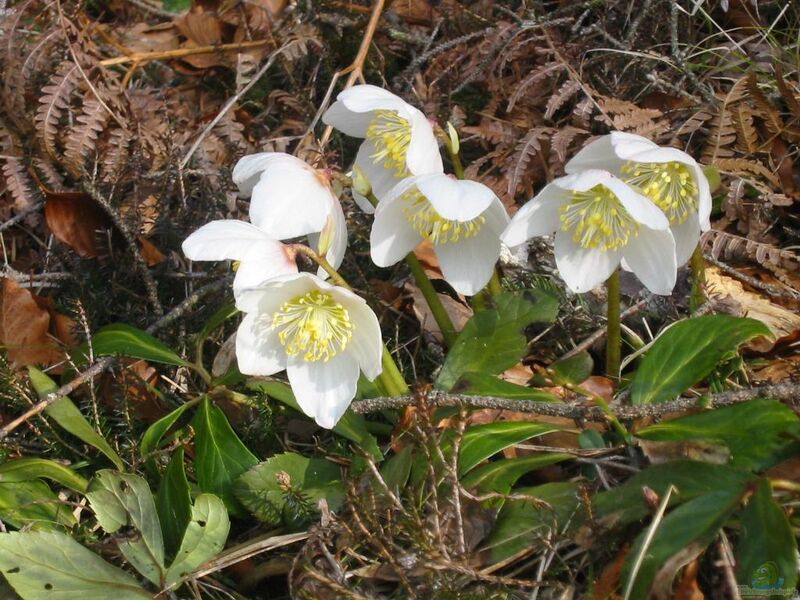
(20, 216)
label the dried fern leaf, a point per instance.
(538, 74)
(53, 103)
(743, 166)
(115, 153)
(730, 247)
(693, 123)
(746, 135)
(563, 139)
(82, 139)
(567, 90)
(772, 118)
(231, 130)
(19, 184)
(722, 132)
(528, 147)
(582, 113)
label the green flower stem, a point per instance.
(613, 335)
(455, 158)
(391, 379)
(495, 286)
(698, 265)
(432, 298)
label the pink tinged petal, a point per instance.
(258, 349)
(423, 155)
(392, 236)
(290, 202)
(323, 389)
(651, 256)
(350, 123)
(468, 264)
(454, 199)
(638, 206)
(583, 269)
(366, 345)
(540, 216)
(687, 236)
(268, 297)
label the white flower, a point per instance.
(669, 177)
(260, 256)
(289, 199)
(462, 219)
(321, 334)
(399, 140)
(599, 221)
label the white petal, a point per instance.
(335, 254)
(366, 344)
(380, 178)
(608, 152)
(366, 98)
(638, 206)
(539, 216)
(651, 256)
(248, 170)
(454, 199)
(290, 202)
(704, 198)
(268, 297)
(687, 236)
(660, 154)
(392, 236)
(345, 120)
(226, 239)
(583, 269)
(258, 349)
(584, 180)
(324, 390)
(261, 263)
(423, 151)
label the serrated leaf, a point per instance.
(64, 412)
(259, 489)
(501, 475)
(759, 433)
(687, 353)
(122, 500)
(174, 503)
(204, 537)
(767, 549)
(482, 441)
(43, 565)
(33, 503)
(220, 456)
(25, 469)
(485, 384)
(126, 340)
(492, 340)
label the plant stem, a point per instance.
(613, 337)
(458, 168)
(495, 287)
(432, 298)
(698, 265)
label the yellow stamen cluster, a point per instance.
(597, 219)
(314, 325)
(670, 186)
(434, 227)
(391, 135)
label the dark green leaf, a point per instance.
(33, 503)
(225, 312)
(759, 433)
(525, 523)
(174, 503)
(767, 549)
(125, 340)
(177, 6)
(64, 412)
(396, 470)
(262, 493)
(626, 503)
(482, 441)
(121, 500)
(152, 437)
(220, 456)
(681, 536)
(688, 352)
(501, 475)
(484, 384)
(45, 565)
(24, 469)
(493, 341)
(575, 369)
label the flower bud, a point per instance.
(360, 182)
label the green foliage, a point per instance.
(33, 504)
(688, 352)
(482, 441)
(485, 384)
(174, 503)
(500, 476)
(126, 340)
(492, 340)
(25, 469)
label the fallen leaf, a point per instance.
(134, 382)
(605, 587)
(688, 588)
(459, 313)
(76, 220)
(25, 329)
(151, 254)
(430, 262)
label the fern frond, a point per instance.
(528, 147)
(538, 74)
(567, 90)
(746, 135)
(115, 153)
(82, 139)
(743, 166)
(563, 139)
(19, 184)
(53, 103)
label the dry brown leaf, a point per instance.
(688, 589)
(730, 297)
(459, 313)
(605, 588)
(430, 263)
(77, 221)
(25, 329)
(151, 254)
(134, 382)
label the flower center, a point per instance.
(434, 227)
(314, 325)
(391, 135)
(669, 185)
(597, 219)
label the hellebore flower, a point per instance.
(321, 334)
(462, 219)
(669, 177)
(289, 199)
(260, 256)
(599, 222)
(398, 139)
